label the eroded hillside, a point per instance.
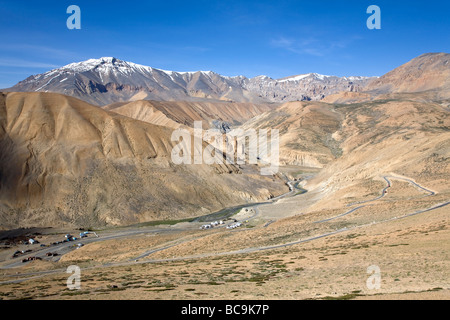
(65, 162)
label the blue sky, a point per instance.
(275, 38)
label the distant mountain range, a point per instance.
(108, 80)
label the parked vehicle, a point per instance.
(31, 259)
(51, 254)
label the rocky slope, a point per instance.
(306, 132)
(311, 86)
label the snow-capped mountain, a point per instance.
(107, 80)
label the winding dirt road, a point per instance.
(28, 276)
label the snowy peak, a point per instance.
(262, 77)
(303, 76)
(105, 64)
(322, 77)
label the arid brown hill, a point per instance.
(358, 142)
(428, 74)
(176, 113)
(430, 71)
(65, 162)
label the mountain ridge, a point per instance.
(107, 80)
